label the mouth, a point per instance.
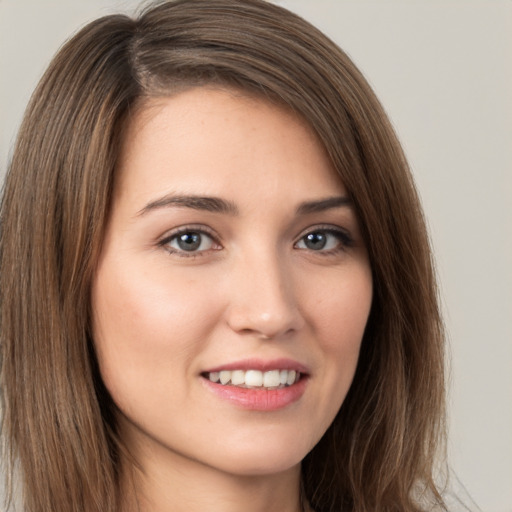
(258, 385)
(255, 379)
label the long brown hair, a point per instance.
(379, 454)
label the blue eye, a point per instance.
(324, 240)
(189, 241)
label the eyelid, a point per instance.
(196, 228)
(346, 239)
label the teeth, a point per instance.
(271, 379)
(255, 378)
(237, 377)
(225, 377)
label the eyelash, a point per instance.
(199, 230)
(344, 239)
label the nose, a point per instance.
(263, 298)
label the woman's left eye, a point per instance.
(189, 241)
(324, 240)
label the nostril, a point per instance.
(264, 326)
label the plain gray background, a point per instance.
(443, 70)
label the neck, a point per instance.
(192, 487)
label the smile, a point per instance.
(254, 379)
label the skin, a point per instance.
(255, 288)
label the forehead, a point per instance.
(221, 142)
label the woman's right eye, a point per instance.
(189, 242)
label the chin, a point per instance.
(254, 459)
(259, 466)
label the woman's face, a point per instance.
(233, 286)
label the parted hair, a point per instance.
(59, 427)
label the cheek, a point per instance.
(339, 309)
(145, 324)
(339, 312)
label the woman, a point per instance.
(217, 289)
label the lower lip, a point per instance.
(259, 399)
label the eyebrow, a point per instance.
(218, 205)
(323, 204)
(204, 203)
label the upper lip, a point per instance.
(262, 365)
